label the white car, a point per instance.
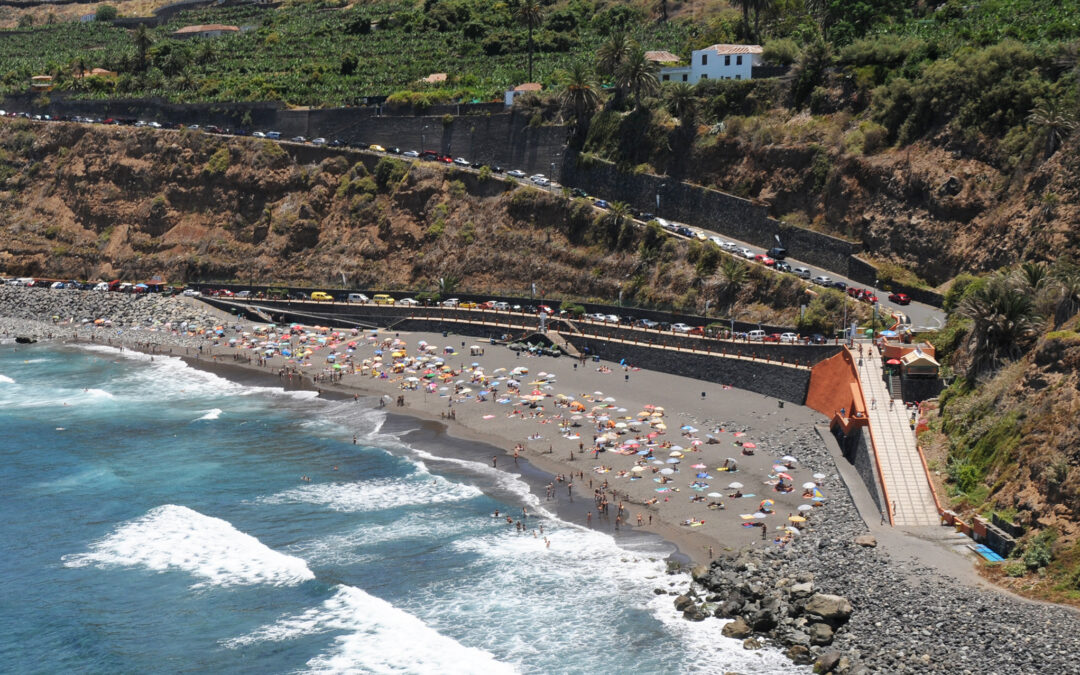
(613, 318)
(516, 173)
(411, 302)
(461, 161)
(188, 292)
(104, 286)
(450, 302)
(717, 240)
(730, 246)
(789, 337)
(410, 153)
(258, 134)
(746, 253)
(501, 306)
(823, 281)
(801, 272)
(318, 141)
(680, 328)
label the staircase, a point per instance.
(894, 387)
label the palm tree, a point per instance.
(1004, 320)
(1056, 122)
(612, 53)
(142, 44)
(663, 10)
(637, 74)
(580, 93)
(681, 102)
(80, 65)
(1067, 276)
(733, 274)
(531, 14)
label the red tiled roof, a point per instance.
(735, 49)
(661, 56)
(529, 86)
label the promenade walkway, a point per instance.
(912, 502)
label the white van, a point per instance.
(756, 335)
(358, 297)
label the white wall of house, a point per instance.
(707, 64)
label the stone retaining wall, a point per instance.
(859, 450)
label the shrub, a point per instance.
(389, 171)
(782, 52)
(218, 162)
(105, 13)
(1038, 552)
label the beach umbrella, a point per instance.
(703, 475)
(893, 362)
(788, 458)
(759, 514)
(797, 519)
(673, 460)
(767, 504)
(749, 445)
(656, 461)
(698, 466)
(809, 485)
(805, 507)
(784, 476)
(675, 453)
(715, 494)
(735, 486)
(637, 469)
(667, 472)
(819, 476)
(778, 467)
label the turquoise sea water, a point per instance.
(155, 520)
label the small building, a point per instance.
(435, 78)
(918, 363)
(511, 94)
(205, 31)
(716, 62)
(41, 82)
(898, 349)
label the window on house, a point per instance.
(738, 60)
(727, 59)
(704, 59)
(704, 76)
(666, 78)
(684, 77)
(738, 77)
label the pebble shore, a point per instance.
(831, 598)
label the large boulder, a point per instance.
(699, 573)
(799, 655)
(764, 620)
(866, 540)
(737, 629)
(682, 602)
(821, 634)
(827, 662)
(802, 590)
(829, 607)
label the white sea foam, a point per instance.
(352, 548)
(211, 414)
(174, 537)
(528, 583)
(98, 393)
(381, 639)
(376, 495)
(4, 379)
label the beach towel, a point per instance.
(663, 489)
(746, 516)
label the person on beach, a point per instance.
(494, 460)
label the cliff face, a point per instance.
(92, 202)
(935, 212)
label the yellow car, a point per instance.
(319, 295)
(382, 299)
(468, 305)
(377, 148)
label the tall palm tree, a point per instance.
(1067, 276)
(1004, 320)
(637, 74)
(612, 53)
(142, 44)
(733, 275)
(580, 94)
(1057, 123)
(531, 14)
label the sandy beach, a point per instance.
(670, 440)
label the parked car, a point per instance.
(822, 281)
(764, 260)
(579, 193)
(298, 139)
(258, 134)
(601, 204)
(377, 148)
(789, 337)
(681, 328)
(516, 173)
(817, 339)
(899, 298)
(540, 180)
(382, 299)
(544, 309)
(451, 302)
(646, 323)
(318, 141)
(461, 161)
(778, 252)
(747, 253)
(684, 231)
(273, 135)
(756, 335)
(409, 302)
(358, 297)
(500, 306)
(801, 272)
(782, 266)
(468, 305)
(411, 153)
(771, 337)
(840, 285)
(319, 295)
(613, 318)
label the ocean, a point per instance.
(160, 518)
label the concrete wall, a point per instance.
(920, 388)
(858, 450)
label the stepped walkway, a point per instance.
(912, 502)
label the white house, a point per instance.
(718, 62)
(511, 94)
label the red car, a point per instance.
(772, 337)
(545, 309)
(867, 296)
(899, 298)
(764, 260)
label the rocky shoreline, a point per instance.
(831, 597)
